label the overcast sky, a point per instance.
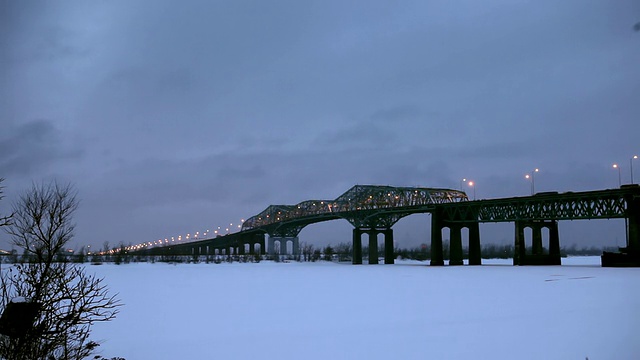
(175, 117)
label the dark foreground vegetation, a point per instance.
(48, 306)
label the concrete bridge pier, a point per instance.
(356, 258)
(519, 248)
(373, 246)
(252, 247)
(537, 256)
(251, 240)
(283, 245)
(437, 259)
(475, 256)
(628, 256)
(554, 242)
(455, 241)
(272, 245)
(633, 222)
(388, 246)
(536, 241)
(455, 245)
(296, 246)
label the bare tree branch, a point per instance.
(70, 301)
(4, 220)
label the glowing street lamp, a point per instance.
(473, 185)
(631, 166)
(461, 182)
(616, 166)
(533, 180)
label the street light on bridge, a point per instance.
(616, 166)
(531, 177)
(464, 180)
(473, 185)
(631, 166)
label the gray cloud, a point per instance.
(33, 149)
(172, 116)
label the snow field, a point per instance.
(404, 311)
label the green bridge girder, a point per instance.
(601, 204)
(373, 206)
(377, 208)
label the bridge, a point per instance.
(374, 209)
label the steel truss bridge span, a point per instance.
(363, 206)
(601, 204)
(375, 209)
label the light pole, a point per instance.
(616, 166)
(462, 181)
(631, 166)
(473, 185)
(626, 222)
(532, 177)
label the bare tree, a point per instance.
(4, 220)
(68, 301)
(307, 250)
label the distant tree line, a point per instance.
(341, 252)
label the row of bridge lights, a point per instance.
(197, 235)
(531, 177)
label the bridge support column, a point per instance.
(296, 246)
(272, 245)
(436, 240)
(252, 241)
(357, 247)
(455, 245)
(537, 256)
(536, 232)
(283, 245)
(388, 246)
(633, 222)
(519, 246)
(554, 243)
(373, 246)
(475, 256)
(628, 256)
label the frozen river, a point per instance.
(403, 311)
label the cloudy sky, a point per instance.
(175, 117)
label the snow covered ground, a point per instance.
(403, 311)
